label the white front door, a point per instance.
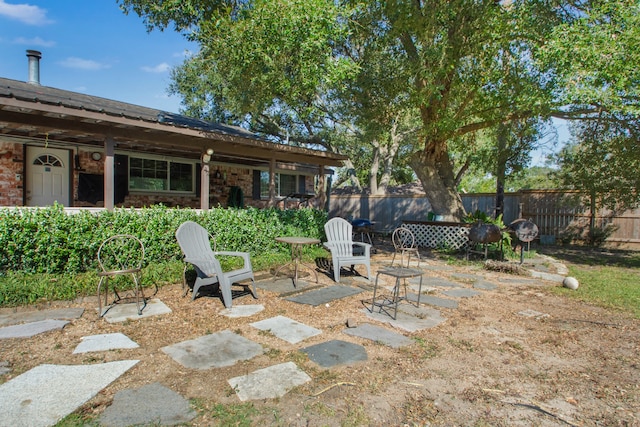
(47, 176)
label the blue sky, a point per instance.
(91, 46)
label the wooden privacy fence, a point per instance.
(554, 212)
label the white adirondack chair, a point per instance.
(340, 242)
(194, 240)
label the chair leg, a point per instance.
(106, 279)
(336, 272)
(226, 294)
(253, 289)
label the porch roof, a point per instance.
(39, 112)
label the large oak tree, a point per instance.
(359, 74)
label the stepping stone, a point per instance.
(4, 367)
(466, 276)
(242, 310)
(461, 293)
(410, 318)
(378, 334)
(283, 286)
(45, 394)
(152, 404)
(336, 352)
(442, 283)
(324, 295)
(558, 278)
(286, 329)
(35, 316)
(483, 284)
(104, 342)
(438, 302)
(269, 383)
(30, 329)
(213, 351)
(129, 311)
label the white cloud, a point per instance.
(83, 64)
(26, 13)
(36, 41)
(160, 68)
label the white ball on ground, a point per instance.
(570, 282)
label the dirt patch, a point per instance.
(518, 355)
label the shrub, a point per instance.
(49, 240)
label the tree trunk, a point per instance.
(435, 171)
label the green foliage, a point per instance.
(51, 241)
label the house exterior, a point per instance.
(85, 151)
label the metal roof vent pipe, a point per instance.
(34, 66)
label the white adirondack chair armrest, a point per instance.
(366, 246)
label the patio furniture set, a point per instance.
(123, 255)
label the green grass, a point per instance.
(610, 279)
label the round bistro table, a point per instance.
(296, 255)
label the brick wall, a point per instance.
(11, 179)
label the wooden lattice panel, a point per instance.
(453, 236)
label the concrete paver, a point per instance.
(152, 404)
(45, 394)
(27, 330)
(35, 316)
(269, 383)
(335, 352)
(287, 329)
(129, 311)
(324, 295)
(237, 311)
(213, 351)
(379, 334)
(104, 342)
(439, 302)
(484, 284)
(461, 293)
(410, 318)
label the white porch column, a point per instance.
(204, 180)
(109, 173)
(322, 191)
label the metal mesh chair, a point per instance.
(404, 242)
(120, 256)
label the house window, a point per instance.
(285, 184)
(159, 175)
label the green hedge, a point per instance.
(52, 241)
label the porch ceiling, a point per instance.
(32, 111)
